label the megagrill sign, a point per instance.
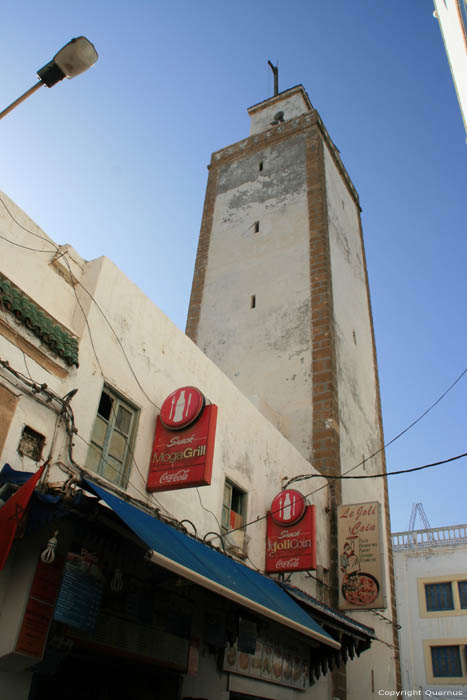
(183, 447)
(290, 534)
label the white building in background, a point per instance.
(452, 17)
(430, 568)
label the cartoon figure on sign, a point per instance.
(358, 588)
(350, 563)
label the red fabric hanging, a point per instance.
(12, 512)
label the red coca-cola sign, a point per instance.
(288, 507)
(181, 408)
(182, 455)
(290, 534)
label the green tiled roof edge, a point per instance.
(27, 312)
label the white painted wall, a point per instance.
(409, 566)
(266, 351)
(453, 26)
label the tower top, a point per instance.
(281, 107)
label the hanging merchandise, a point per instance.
(80, 594)
(48, 555)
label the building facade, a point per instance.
(430, 568)
(280, 302)
(108, 589)
(113, 572)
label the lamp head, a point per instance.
(74, 58)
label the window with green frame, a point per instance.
(110, 447)
(234, 507)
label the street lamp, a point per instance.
(74, 58)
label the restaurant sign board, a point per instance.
(361, 564)
(290, 534)
(183, 447)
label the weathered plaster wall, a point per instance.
(358, 416)
(249, 450)
(292, 103)
(265, 349)
(360, 433)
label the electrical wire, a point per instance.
(63, 254)
(343, 476)
(304, 477)
(34, 250)
(27, 230)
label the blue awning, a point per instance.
(197, 562)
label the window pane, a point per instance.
(112, 469)
(463, 594)
(439, 596)
(446, 662)
(123, 420)
(100, 430)
(227, 495)
(117, 446)
(225, 517)
(93, 458)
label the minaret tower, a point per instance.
(280, 299)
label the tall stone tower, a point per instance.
(280, 299)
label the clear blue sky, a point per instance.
(114, 162)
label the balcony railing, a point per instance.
(448, 536)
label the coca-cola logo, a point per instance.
(287, 563)
(288, 507)
(172, 477)
(182, 408)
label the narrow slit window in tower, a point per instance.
(253, 301)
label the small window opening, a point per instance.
(31, 444)
(105, 405)
(256, 225)
(234, 507)
(260, 166)
(354, 336)
(253, 301)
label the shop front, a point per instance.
(123, 605)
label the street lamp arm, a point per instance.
(21, 99)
